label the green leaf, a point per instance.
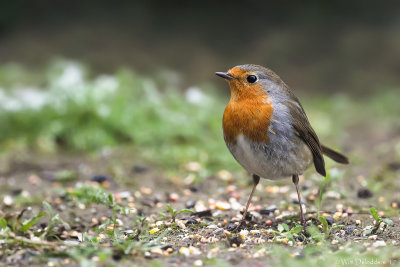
(283, 227)
(48, 207)
(368, 231)
(31, 222)
(170, 209)
(3, 223)
(185, 211)
(388, 221)
(289, 236)
(314, 233)
(297, 229)
(324, 222)
(375, 214)
(337, 227)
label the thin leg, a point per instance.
(256, 180)
(295, 180)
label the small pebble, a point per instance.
(329, 220)
(191, 220)
(364, 193)
(8, 201)
(146, 190)
(198, 263)
(156, 251)
(128, 232)
(268, 223)
(99, 178)
(379, 243)
(187, 251)
(373, 237)
(173, 197)
(139, 168)
(358, 222)
(193, 166)
(349, 229)
(124, 194)
(190, 204)
(225, 175)
(222, 205)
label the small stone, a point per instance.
(222, 205)
(358, 222)
(34, 179)
(268, 223)
(349, 229)
(8, 201)
(373, 237)
(95, 221)
(268, 210)
(225, 175)
(139, 168)
(193, 166)
(146, 190)
(156, 251)
(333, 195)
(364, 193)
(173, 197)
(99, 178)
(198, 263)
(329, 220)
(124, 194)
(337, 215)
(187, 251)
(190, 204)
(335, 242)
(191, 220)
(244, 234)
(379, 243)
(128, 232)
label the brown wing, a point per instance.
(304, 130)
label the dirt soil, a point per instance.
(202, 237)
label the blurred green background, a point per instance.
(81, 76)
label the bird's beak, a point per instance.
(224, 75)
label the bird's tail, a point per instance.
(336, 156)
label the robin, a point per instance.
(267, 131)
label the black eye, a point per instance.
(252, 78)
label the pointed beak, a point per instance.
(224, 75)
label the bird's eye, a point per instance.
(252, 78)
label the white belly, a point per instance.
(281, 158)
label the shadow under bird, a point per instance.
(267, 131)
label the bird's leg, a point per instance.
(256, 180)
(295, 180)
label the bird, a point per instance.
(267, 130)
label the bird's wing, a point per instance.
(304, 130)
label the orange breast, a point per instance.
(250, 117)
